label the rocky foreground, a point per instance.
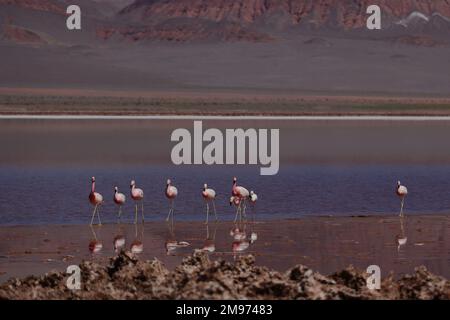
(197, 277)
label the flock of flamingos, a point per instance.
(239, 196)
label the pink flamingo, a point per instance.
(236, 201)
(119, 199)
(209, 195)
(240, 192)
(96, 199)
(137, 195)
(171, 193)
(401, 191)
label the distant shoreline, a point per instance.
(208, 103)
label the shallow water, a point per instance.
(60, 195)
(326, 244)
(326, 168)
(333, 168)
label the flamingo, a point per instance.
(96, 199)
(240, 192)
(119, 199)
(171, 194)
(137, 195)
(237, 203)
(401, 191)
(209, 195)
(253, 197)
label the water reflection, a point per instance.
(172, 244)
(95, 245)
(401, 238)
(137, 246)
(119, 240)
(239, 234)
(253, 234)
(210, 240)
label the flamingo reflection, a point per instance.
(119, 240)
(210, 241)
(172, 244)
(401, 238)
(137, 246)
(240, 242)
(95, 245)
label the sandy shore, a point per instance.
(325, 244)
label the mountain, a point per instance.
(255, 45)
(44, 21)
(234, 20)
(37, 5)
(346, 14)
(264, 20)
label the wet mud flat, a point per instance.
(197, 277)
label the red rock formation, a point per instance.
(39, 5)
(343, 13)
(181, 33)
(21, 35)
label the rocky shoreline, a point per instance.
(198, 277)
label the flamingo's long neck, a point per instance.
(93, 187)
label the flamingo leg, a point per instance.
(214, 207)
(254, 214)
(244, 206)
(120, 213)
(173, 209)
(93, 215)
(142, 210)
(98, 216)
(401, 207)
(238, 212)
(207, 211)
(135, 213)
(170, 210)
